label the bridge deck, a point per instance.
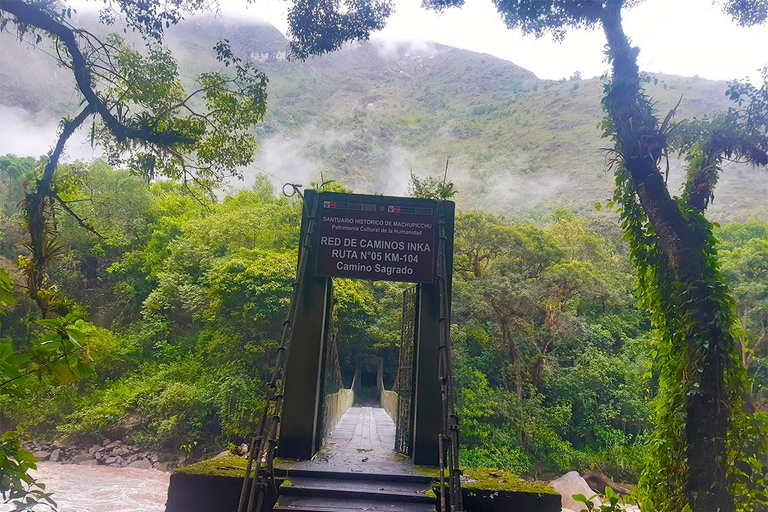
(362, 442)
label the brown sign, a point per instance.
(376, 237)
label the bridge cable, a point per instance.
(448, 442)
(259, 473)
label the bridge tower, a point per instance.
(301, 425)
(374, 238)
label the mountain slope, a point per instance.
(372, 113)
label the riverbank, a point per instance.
(118, 454)
(98, 488)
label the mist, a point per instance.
(24, 134)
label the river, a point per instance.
(102, 488)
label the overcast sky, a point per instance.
(682, 37)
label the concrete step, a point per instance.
(358, 476)
(332, 491)
(404, 488)
(349, 492)
(318, 504)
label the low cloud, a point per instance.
(24, 134)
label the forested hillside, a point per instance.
(372, 113)
(181, 304)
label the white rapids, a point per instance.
(101, 488)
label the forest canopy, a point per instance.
(183, 302)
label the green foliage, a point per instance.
(17, 486)
(550, 371)
(220, 140)
(750, 467)
(187, 301)
(6, 291)
(431, 188)
(323, 27)
(744, 257)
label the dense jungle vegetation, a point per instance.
(180, 301)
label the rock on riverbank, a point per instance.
(108, 453)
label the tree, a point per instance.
(141, 115)
(744, 255)
(672, 248)
(482, 238)
(431, 188)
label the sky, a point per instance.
(682, 37)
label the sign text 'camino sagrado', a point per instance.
(376, 237)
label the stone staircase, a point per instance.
(333, 491)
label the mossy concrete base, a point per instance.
(483, 500)
(489, 490)
(214, 485)
(211, 485)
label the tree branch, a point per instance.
(79, 220)
(68, 128)
(39, 18)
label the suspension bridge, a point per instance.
(321, 446)
(355, 455)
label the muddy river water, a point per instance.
(102, 488)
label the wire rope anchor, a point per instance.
(292, 189)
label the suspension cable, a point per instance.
(448, 442)
(259, 472)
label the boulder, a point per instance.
(55, 455)
(82, 457)
(569, 484)
(113, 445)
(41, 455)
(120, 450)
(141, 464)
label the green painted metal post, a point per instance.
(303, 405)
(427, 415)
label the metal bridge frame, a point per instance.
(291, 425)
(301, 422)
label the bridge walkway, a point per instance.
(362, 442)
(357, 469)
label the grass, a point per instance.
(228, 465)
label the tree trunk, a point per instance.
(684, 245)
(35, 203)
